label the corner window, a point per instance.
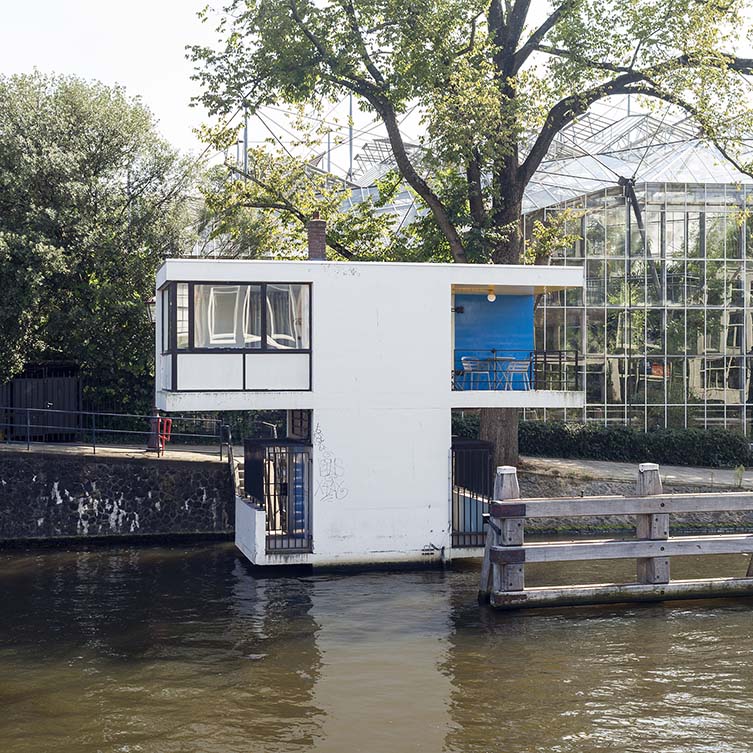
(252, 316)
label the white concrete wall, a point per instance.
(277, 371)
(199, 371)
(381, 397)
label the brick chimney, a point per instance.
(317, 230)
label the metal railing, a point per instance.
(504, 369)
(472, 482)
(30, 426)
(278, 477)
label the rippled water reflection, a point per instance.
(182, 649)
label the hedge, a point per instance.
(714, 448)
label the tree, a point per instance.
(91, 201)
(497, 80)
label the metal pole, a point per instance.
(245, 143)
(350, 136)
(94, 434)
(28, 430)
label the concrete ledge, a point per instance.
(517, 399)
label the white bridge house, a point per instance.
(369, 359)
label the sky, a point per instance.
(139, 44)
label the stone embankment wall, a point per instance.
(544, 485)
(61, 496)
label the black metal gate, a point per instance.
(53, 388)
(472, 487)
(278, 477)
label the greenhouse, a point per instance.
(664, 324)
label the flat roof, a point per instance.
(503, 277)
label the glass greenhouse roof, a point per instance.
(592, 154)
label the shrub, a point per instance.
(465, 425)
(716, 448)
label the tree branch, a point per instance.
(538, 36)
(374, 95)
(416, 182)
(350, 12)
(352, 80)
(283, 204)
(567, 110)
(472, 41)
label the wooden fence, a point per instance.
(506, 554)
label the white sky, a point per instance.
(139, 44)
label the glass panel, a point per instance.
(715, 283)
(574, 331)
(675, 234)
(554, 336)
(733, 336)
(595, 331)
(615, 380)
(654, 378)
(595, 281)
(675, 282)
(735, 292)
(716, 235)
(616, 339)
(693, 235)
(288, 317)
(615, 231)
(220, 312)
(252, 335)
(595, 383)
(655, 331)
(595, 234)
(675, 375)
(675, 331)
(695, 280)
(655, 417)
(182, 315)
(617, 292)
(676, 417)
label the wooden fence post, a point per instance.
(654, 527)
(502, 532)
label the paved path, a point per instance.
(604, 469)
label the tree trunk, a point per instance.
(500, 427)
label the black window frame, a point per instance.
(172, 323)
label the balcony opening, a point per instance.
(493, 345)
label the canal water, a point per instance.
(184, 649)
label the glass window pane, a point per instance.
(287, 317)
(675, 282)
(182, 315)
(675, 234)
(219, 313)
(595, 331)
(716, 235)
(252, 334)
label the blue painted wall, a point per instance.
(505, 324)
